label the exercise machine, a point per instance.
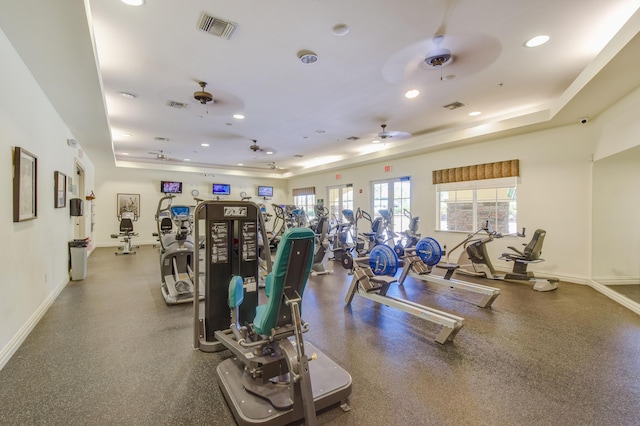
(474, 260)
(372, 277)
(419, 262)
(410, 237)
(343, 237)
(275, 377)
(177, 255)
(126, 233)
(321, 232)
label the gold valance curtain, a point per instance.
(310, 190)
(500, 169)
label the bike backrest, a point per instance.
(413, 224)
(126, 225)
(166, 225)
(533, 249)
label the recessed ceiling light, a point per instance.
(536, 41)
(204, 144)
(125, 135)
(412, 94)
(240, 164)
(307, 57)
(474, 113)
(269, 152)
(375, 141)
(133, 2)
(238, 116)
(187, 159)
(125, 153)
(127, 95)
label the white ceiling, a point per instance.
(306, 113)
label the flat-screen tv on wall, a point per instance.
(221, 189)
(265, 191)
(170, 187)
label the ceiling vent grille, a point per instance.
(176, 104)
(353, 138)
(216, 26)
(161, 139)
(454, 105)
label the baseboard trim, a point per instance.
(7, 352)
(614, 295)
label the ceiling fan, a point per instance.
(385, 134)
(160, 155)
(254, 146)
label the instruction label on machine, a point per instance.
(250, 284)
(249, 241)
(219, 242)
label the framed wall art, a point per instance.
(59, 190)
(25, 185)
(128, 203)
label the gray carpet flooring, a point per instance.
(109, 351)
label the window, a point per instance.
(306, 203)
(340, 198)
(305, 199)
(466, 206)
(394, 193)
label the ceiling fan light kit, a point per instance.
(203, 96)
(438, 57)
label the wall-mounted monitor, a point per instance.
(265, 191)
(221, 189)
(170, 187)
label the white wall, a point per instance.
(35, 252)
(616, 198)
(554, 192)
(111, 180)
(618, 126)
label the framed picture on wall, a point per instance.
(25, 185)
(128, 203)
(60, 190)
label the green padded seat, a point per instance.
(290, 273)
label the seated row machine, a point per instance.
(274, 376)
(372, 281)
(419, 263)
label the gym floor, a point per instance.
(109, 351)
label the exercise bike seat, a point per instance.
(531, 252)
(287, 280)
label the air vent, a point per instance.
(216, 26)
(454, 105)
(175, 104)
(353, 138)
(161, 139)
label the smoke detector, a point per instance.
(202, 96)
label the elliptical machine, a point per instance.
(474, 260)
(321, 232)
(176, 252)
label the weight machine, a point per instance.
(271, 379)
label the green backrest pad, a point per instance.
(289, 276)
